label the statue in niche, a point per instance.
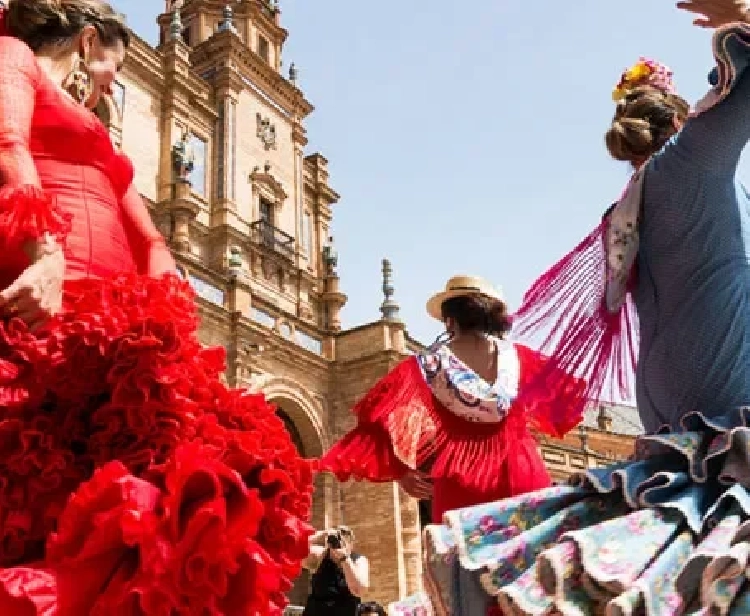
(266, 132)
(183, 158)
(235, 262)
(330, 257)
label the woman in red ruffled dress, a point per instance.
(132, 482)
(453, 423)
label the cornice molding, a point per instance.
(225, 47)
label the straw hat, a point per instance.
(461, 286)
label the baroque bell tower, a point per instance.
(262, 213)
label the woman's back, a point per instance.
(693, 295)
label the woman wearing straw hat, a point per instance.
(450, 423)
(668, 532)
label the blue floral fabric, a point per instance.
(665, 534)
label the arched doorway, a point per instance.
(292, 429)
(303, 436)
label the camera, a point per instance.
(334, 540)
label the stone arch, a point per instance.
(302, 415)
(303, 411)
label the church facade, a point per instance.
(216, 126)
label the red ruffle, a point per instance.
(402, 427)
(187, 497)
(553, 410)
(27, 213)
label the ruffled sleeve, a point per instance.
(395, 430)
(555, 409)
(719, 127)
(26, 211)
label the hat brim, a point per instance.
(435, 303)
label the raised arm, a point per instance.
(716, 135)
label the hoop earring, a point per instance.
(78, 82)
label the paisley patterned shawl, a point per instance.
(581, 313)
(463, 392)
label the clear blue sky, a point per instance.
(467, 137)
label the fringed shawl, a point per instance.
(581, 313)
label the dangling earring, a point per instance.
(78, 82)
(442, 339)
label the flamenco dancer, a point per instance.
(453, 423)
(132, 482)
(669, 532)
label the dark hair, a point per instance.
(477, 313)
(55, 22)
(370, 607)
(643, 122)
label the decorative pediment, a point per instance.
(264, 182)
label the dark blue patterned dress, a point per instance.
(669, 532)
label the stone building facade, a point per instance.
(215, 126)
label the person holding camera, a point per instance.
(340, 575)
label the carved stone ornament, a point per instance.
(266, 132)
(183, 157)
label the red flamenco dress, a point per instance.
(433, 414)
(132, 481)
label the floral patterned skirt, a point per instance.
(665, 534)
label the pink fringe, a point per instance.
(564, 315)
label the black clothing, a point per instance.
(329, 595)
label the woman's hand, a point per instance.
(716, 13)
(417, 485)
(36, 294)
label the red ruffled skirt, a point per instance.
(132, 481)
(402, 427)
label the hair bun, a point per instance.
(498, 322)
(630, 138)
(644, 120)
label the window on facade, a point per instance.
(264, 48)
(306, 232)
(118, 95)
(198, 174)
(106, 110)
(266, 227)
(219, 157)
(266, 211)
